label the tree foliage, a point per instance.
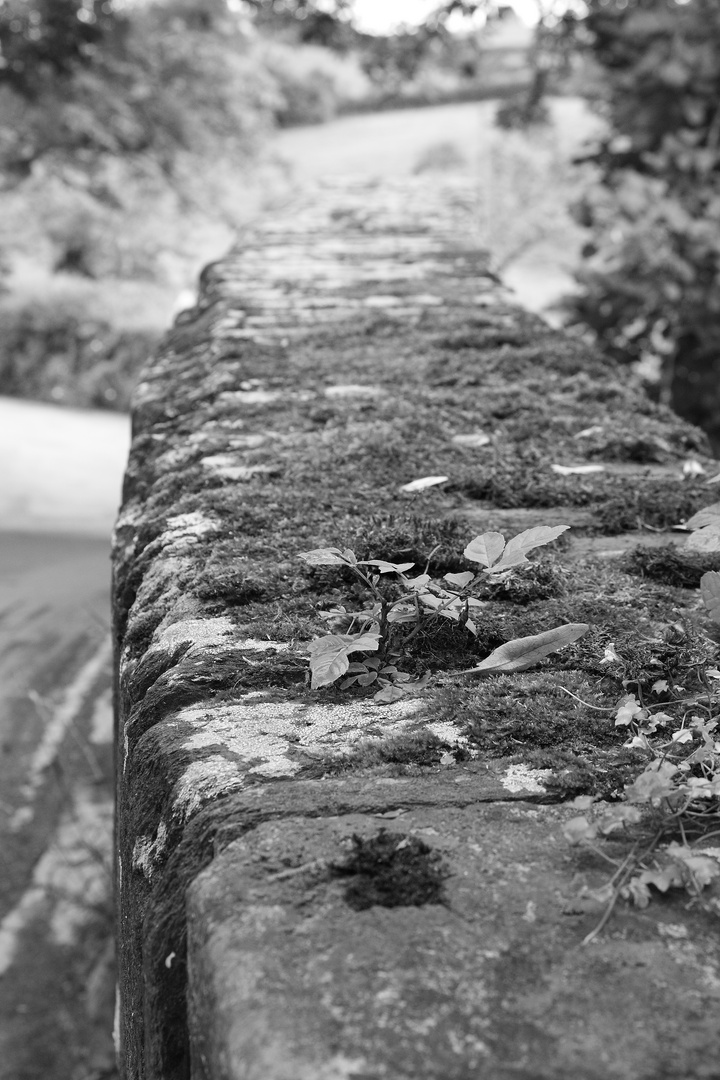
(651, 277)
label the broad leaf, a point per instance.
(327, 557)
(485, 549)
(329, 655)
(524, 652)
(387, 567)
(460, 580)
(517, 548)
(705, 539)
(418, 582)
(710, 592)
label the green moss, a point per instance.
(670, 565)
(657, 503)
(398, 755)
(507, 714)
(604, 774)
(338, 464)
(543, 579)
(391, 870)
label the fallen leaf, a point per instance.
(710, 592)
(703, 867)
(522, 653)
(485, 549)
(424, 482)
(388, 694)
(569, 470)
(475, 440)
(661, 879)
(709, 515)
(596, 429)
(610, 656)
(692, 468)
(705, 539)
(325, 557)
(714, 479)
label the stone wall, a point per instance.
(313, 884)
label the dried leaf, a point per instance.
(709, 515)
(710, 592)
(661, 879)
(474, 440)
(522, 653)
(578, 829)
(485, 549)
(570, 470)
(325, 557)
(329, 655)
(703, 867)
(705, 539)
(596, 429)
(388, 694)
(424, 482)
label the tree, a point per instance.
(651, 276)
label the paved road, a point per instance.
(59, 488)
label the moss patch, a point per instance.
(391, 870)
(669, 565)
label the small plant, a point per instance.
(675, 801)
(420, 598)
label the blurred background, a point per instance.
(137, 139)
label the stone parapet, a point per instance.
(314, 884)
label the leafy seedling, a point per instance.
(422, 598)
(391, 683)
(491, 551)
(329, 655)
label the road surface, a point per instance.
(59, 490)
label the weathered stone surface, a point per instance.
(290, 982)
(349, 345)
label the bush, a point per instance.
(50, 353)
(519, 112)
(312, 84)
(651, 279)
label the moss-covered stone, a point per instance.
(349, 345)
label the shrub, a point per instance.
(650, 279)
